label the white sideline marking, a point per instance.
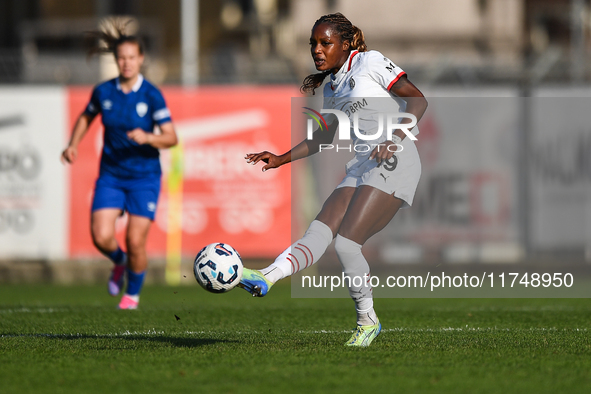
(34, 310)
(153, 332)
(446, 329)
(80, 335)
(478, 309)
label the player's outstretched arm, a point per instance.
(167, 138)
(70, 154)
(303, 149)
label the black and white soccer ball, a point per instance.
(218, 268)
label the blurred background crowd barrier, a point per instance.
(505, 143)
(457, 42)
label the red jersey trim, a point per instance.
(351, 59)
(349, 66)
(396, 79)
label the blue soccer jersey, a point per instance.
(142, 107)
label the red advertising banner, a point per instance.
(224, 198)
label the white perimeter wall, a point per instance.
(33, 197)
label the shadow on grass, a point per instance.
(174, 341)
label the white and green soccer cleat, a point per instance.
(364, 335)
(254, 282)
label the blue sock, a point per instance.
(118, 256)
(134, 282)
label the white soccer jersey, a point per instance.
(362, 87)
(364, 74)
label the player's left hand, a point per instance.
(383, 151)
(139, 136)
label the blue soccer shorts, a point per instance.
(136, 196)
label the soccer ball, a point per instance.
(218, 268)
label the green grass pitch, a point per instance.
(71, 339)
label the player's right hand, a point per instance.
(69, 155)
(272, 160)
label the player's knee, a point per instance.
(102, 239)
(345, 246)
(135, 243)
(319, 230)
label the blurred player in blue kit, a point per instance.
(377, 183)
(129, 176)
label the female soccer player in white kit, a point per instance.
(376, 183)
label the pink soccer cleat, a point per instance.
(128, 303)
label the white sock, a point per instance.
(367, 318)
(135, 298)
(355, 266)
(302, 254)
